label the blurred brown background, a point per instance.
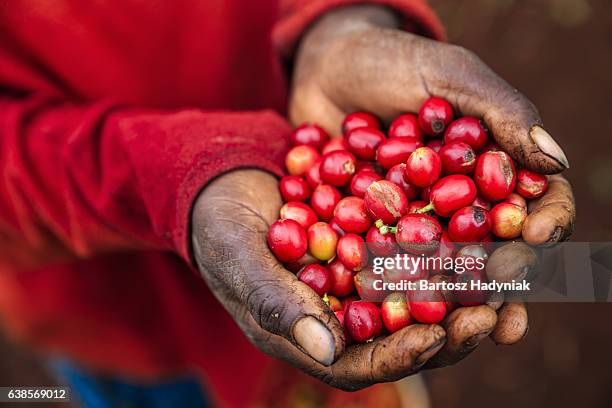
(559, 53)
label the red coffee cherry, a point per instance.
(406, 125)
(468, 130)
(309, 134)
(357, 120)
(287, 240)
(337, 167)
(435, 114)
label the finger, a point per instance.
(388, 358)
(385, 359)
(388, 72)
(459, 76)
(312, 105)
(465, 328)
(512, 261)
(230, 242)
(512, 324)
(495, 300)
(551, 217)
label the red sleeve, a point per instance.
(297, 15)
(105, 178)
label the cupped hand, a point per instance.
(281, 315)
(356, 59)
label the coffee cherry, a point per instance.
(317, 277)
(294, 188)
(379, 244)
(300, 159)
(495, 175)
(300, 212)
(395, 151)
(449, 194)
(446, 294)
(296, 266)
(516, 199)
(415, 206)
(368, 165)
(406, 125)
(351, 215)
(335, 144)
(395, 313)
(333, 302)
(531, 184)
(323, 201)
(435, 114)
(287, 240)
(423, 167)
(507, 220)
(396, 176)
(364, 141)
(312, 175)
(469, 224)
(467, 130)
(309, 134)
(471, 297)
(342, 277)
(352, 252)
(418, 233)
(457, 158)
(482, 203)
(363, 321)
(473, 251)
(385, 201)
(337, 167)
(446, 250)
(362, 180)
(364, 283)
(334, 224)
(322, 241)
(347, 337)
(357, 120)
(427, 307)
(410, 273)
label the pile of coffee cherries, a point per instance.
(431, 185)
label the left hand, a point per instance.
(355, 58)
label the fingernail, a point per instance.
(429, 353)
(524, 272)
(548, 145)
(315, 339)
(475, 340)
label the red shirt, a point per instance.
(113, 116)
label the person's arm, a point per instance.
(297, 16)
(94, 178)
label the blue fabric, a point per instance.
(94, 391)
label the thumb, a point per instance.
(474, 89)
(230, 221)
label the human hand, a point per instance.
(283, 316)
(355, 59)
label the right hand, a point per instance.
(285, 318)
